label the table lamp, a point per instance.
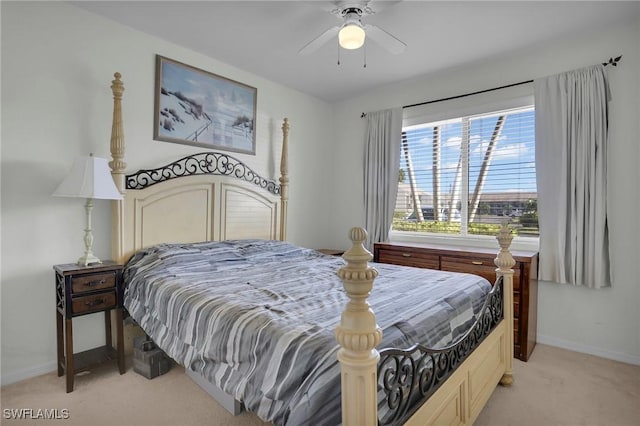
(89, 178)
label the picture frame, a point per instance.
(200, 108)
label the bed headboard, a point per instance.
(206, 196)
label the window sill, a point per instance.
(482, 241)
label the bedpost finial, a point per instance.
(117, 87)
(505, 260)
(504, 236)
(358, 256)
(357, 234)
(358, 252)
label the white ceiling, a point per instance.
(263, 37)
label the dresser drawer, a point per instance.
(409, 258)
(94, 302)
(478, 266)
(86, 283)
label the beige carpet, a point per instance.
(556, 387)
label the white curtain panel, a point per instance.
(381, 167)
(571, 169)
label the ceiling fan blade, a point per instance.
(384, 39)
(315, 44)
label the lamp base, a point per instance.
(88, 259)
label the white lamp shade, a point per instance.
(351, 36)
(89, 178)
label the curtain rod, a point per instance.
(611, 61)
(468, 94)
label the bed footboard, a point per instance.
(422, 386)
(408, 377)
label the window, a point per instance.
(466, 175)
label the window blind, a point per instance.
(467, 174)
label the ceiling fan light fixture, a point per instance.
(351, 36)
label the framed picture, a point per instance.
(196, 107)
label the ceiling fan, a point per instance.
(351, 34)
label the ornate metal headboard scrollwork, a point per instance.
(204, 163)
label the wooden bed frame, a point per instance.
(218, 197)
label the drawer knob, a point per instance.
(406, 254)
(96, 302)
(94, 283)
(476, 262)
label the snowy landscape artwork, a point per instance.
(196, 107)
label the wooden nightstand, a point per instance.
(83, 290)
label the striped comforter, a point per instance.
(257, 318)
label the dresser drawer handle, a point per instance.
(94, 283)
(406, 254)
(476, 262)
(93, 303)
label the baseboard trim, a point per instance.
(28, 373)
(590, 350)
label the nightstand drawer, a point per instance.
(95, 302)
(87, 283)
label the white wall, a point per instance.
(605, 322)
(57, 65)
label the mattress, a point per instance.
(257, 318)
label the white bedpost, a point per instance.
(284, 180)
(505, 262)
(117, 165)
(358, 335)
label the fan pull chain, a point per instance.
(338, 44)
(365, 55)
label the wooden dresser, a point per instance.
(478, 261)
